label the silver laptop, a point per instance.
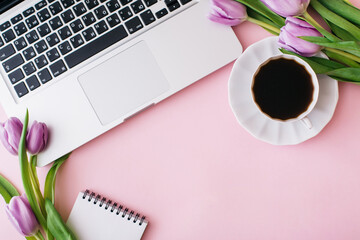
(85, 66)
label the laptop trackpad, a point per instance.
(123, 83)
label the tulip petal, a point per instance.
(287, 8)
(37, 138)
(227, 12)
(22, 216)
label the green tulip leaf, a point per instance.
(5, 194)
(343, 34)
(259, 7)
(343, 9)
(258, 16)
(347, 46)
(56, 225)
(335, 19)
(319, 65)
(348, 74)
(342, 59)
(49, 189)
(5, 185)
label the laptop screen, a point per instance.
(7, 4)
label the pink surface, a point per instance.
(197, 174)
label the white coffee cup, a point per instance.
(315, 93)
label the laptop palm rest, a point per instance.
(124, 83)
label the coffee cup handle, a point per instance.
(307, 123)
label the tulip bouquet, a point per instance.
(32, 213)
(299, 34)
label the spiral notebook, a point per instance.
(96, 218)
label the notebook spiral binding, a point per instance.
(131, 215)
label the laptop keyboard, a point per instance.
(53, 36)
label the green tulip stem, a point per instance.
(36, 184)
(311, 20)
(344, 54)
(264, 25)
(39, 236)
(26, 179)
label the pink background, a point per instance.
(197, 174)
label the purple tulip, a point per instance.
(294, 28)
(10, 134)
(287, 8)
(21, 215)
(37, 138)
(227, 12)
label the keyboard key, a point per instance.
(96, 46)
(9, 35)
(32, 37)
(16, 19)
(6, 52)
(113, 20)
(125, 13)
(101, 27)
(67, 3)
(77, 41)
(1, 42)
(32, 22)
(65, 47)
(161, 13)
(149, 3)
(133, 25)
(183, 2)
(28, 12)
(50, 1)
(64, 32)
(40, 46)
(89, 34)
(53, 54)
(137, 6)
(21, 89)
(41, 61)
(172, 4)
(44, 30)
(44, 15)
(16, 76)
(29, 68)
(91, 3)
(124, 2)
(76, 25)
(40, 5)
(79, 9)
(67, 16)
(20, 43)
(147, 17)
(29, 53)
(13, 62)
(52, 39)
(113, 5)
(55, 23)
(100, 12)
(89, 19)
(5, 26)
(20, 28)
(55, 8)
(32, 82)
(44, 75)
(58, 68)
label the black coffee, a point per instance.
(283, 89)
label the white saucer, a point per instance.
(262, 127)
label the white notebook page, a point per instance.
(89, 221)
